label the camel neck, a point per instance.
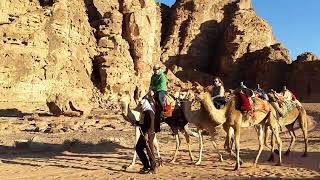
(216, 115)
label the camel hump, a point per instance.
(260, 104)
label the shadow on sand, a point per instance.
(69, 154)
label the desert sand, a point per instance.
(103, 154)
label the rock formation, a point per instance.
(129, 44)
(307, 56)
(45, 50)
(114, 64)
(212, 36)
(67, 54)
(304, 78)
(246, 33)
(194, 31)
(266, 67)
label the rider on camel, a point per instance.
(261, 93)
(158, 85)
(245, 95)
(218, 93)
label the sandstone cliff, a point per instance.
(55, 52)
(212, 36)
(70, 54)
(129, 43)
(45, 50)
(304, 78)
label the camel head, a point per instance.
(124, 102)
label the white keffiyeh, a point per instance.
(145, 105)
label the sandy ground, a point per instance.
(102, 154)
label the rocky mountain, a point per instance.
(70, 55)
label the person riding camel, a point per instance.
(245, 95)
(261, 93)
(218, 97)
(288, 96)
(147, 134)
(158, 85)
(277, 101)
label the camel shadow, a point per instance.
(295, 159)
(71, 154)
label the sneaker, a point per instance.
(144, 171)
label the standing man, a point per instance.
(158, 85)
(147, 135)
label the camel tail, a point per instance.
(209, 107)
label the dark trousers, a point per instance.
(141, 145)
(159, 98)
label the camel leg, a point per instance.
(200, 146)
(271, 158)
(229, 143)
(304, 126)
(229, 140)
(137, 135)
(156, 145)
(178, 142)
(275, 130)
(237, 142)
(215, 145)
(186, 135)
(266, 136)
(293, 138)
(260, 133)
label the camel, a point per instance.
(202, 121)
(133, 116)
(232, 118)
(298, 113)
(177, 123)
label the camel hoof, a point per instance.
(236, 168)
(287, 153)
(198, 163)
(172, 161)
(305, 155)
(160, 161)
(221, 159)
(279, 164)
(254, 165)
(128, 167)
(271, 158)
(192, 159)
(276, 151)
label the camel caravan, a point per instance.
(240, 108)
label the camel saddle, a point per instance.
(256, 107)
(169, 105)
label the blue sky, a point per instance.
(295, 23)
